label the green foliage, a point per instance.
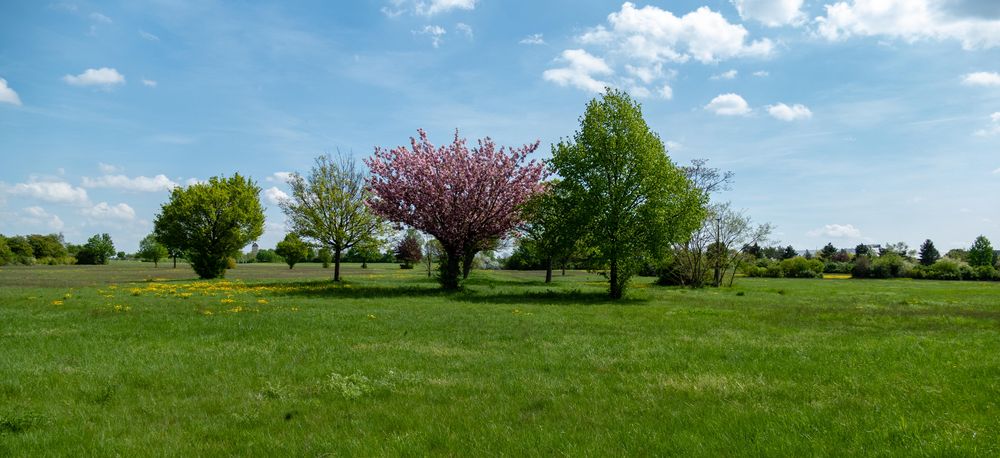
(862, 265)
(329, 207)
(797, 267)
(862, 250)
(47, 246)
(21, 249)
(890, 265)
(6, 256)
(151, 250)
(211, 222)
(928, 254)
(981, 253)
(323, 255)
(292, 249)
(633, 201)
(553, 225)
(827, 253)
(789, 253)
(268, 256)
(98, 250)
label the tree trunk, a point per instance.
(175, 261)
(467, 264)
(548, 270)
(336, 265)
(452, 269)
(364, 263)
(616, 289)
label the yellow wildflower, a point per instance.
(57, 302)
(261, 301)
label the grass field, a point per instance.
(133, 361)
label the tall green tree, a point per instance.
(211, 222)
(292, 249)
(6, 256)
(152, 250)
(981, 253)
(552, 225)
(634, 201)
(98, 250)
(827, 252)
(329, 207)
(928, 253)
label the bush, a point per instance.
(862, 267)
(889, 265)
(799, 267)
(837, 267)
(987, 273)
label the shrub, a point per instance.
(799, 267)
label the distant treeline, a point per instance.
(52, 249)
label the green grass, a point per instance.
(387, 364)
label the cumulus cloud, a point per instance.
(436, 33)
(772, 13)
(103, 211)
(837, 231)
(48, 191)
(666, 92)
(579, 70)
(982, 79)
(652, 34)
(279, 177)
(761, 73)
(7, 95)
(993, 128)
(727, 75)
(149, 83)
(275, 195)
(789, 113)
(139, 183)
(103, 76)
(907, 20)
(38, 215)
(533, 39)
(728, 105)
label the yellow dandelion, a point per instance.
(206, 312)
(371, 317)
(67, 295)
(262, 301)
(228, 301)
(295, 309)
(236, 309)
(57, 302)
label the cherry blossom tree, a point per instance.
(463, 197)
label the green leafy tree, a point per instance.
(329, 207)
(981, 253)
(292, 249)
(323, 255)
(862, 250)
(21, 248)
(98, 250)
(552, 225)
(789, 253)
(634, 201)
(928, 254)
(48, 246)
(827, 252)
(433, 252)
(6, 256)
(151, 250)
(211, 222)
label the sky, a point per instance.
(854, 121)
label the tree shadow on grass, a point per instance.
(330, 289)
(548, 297)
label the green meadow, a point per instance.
(129, 360)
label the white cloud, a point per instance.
(279, 177)
(148, 36)
(103, 76)
(993, 128)
(108, 169)
(728, 105)
(465, 29)
(907, 20)
(7, 95)
(38, 215)
(139, 183)
(49, 191)
(533, 39)
(275, 195)
(727, 75)
(98, 17)
(651, 34)
(194, 181)
(103, 211)
(435, 32)
(396, 8)
(996, 171)
(579, 71)
(442, 6)
(772, 13)
(666, 92)
(761, 73)
(789, 113)
(838, 231)
(982, 79)
(148, 83)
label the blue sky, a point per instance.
(845, 121)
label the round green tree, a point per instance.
(293, 249)
(211, 222)
(151, 250)
(635, 201)
(981, 253)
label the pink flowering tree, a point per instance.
(463, 197)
